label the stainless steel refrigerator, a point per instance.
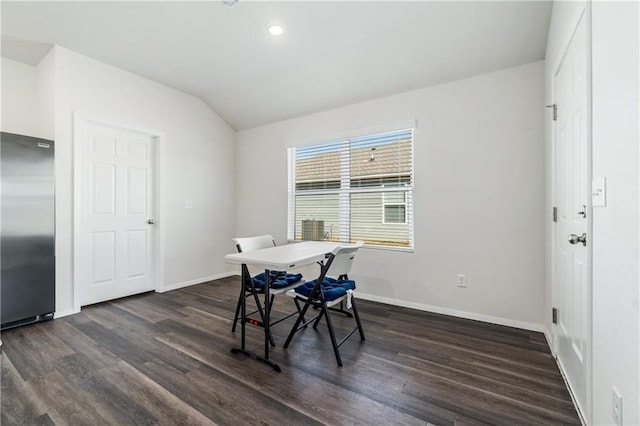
(27, 250)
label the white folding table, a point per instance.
(280, 258)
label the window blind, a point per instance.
(353, 189)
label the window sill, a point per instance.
(372, 247)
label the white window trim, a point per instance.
(411, 123)
(345, 236)
(291, 194)
(344, 193)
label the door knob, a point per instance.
(575, 239)
(151, 221)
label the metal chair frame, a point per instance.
(316, 299)
(249, 289)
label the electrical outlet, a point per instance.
(188, 204)
(616, 407)
(462, 280)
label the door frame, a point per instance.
(79, 121)
(586, 413)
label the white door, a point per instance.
(571, 292)
(117, 239)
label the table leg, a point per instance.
(243, 306)
(242, 349)
(267, 308)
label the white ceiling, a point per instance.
(332, 53)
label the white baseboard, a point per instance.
(419, 306)
(571, 393)
(71, 311)
(547, 335)
(453, 312)
(64, 313)
(196, 281)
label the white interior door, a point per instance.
(117, 240)
(571, 292)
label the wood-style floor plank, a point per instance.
(165, 359)
(22, 404)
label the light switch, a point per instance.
(599, 192)
(188, 204)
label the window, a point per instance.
(353, 189)
(395, 207)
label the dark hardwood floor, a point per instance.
(165, 359)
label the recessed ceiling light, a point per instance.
(275, 29)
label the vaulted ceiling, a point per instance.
(331, 54)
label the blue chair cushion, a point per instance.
(277, 279)
(331, 288)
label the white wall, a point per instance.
(479, 201)
(198, 156)
(19, 98)
(45, 86)
(616, 249)
(197, 150)
(616, 233)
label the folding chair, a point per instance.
(325, 292)
(280, 282)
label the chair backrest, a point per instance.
(248, 244)
(343, 259)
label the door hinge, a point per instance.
(554, 315)
(555, 214)
(555, 111)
